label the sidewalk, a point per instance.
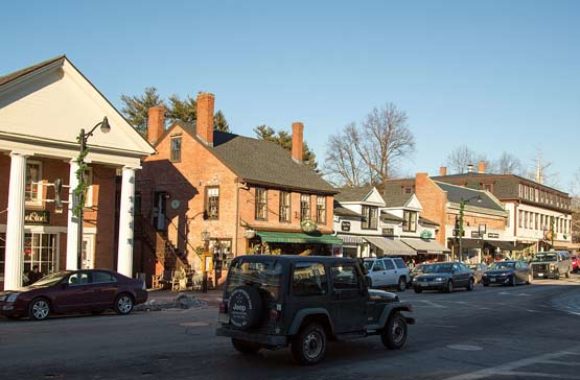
(167, 299)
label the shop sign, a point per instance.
(426, 234)
(36, 217)
(308, 225)
(493, 235)
(388, 231)
(345, 226)
(476, 234)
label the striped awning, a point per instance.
(426, 246)
(351, 240)
(391, 247)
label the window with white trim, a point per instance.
(33, 184)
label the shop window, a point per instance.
(33, 185)
(370, 218)
(261, 204)
(321, 210)
(284, 211)
(39, 250)
(304, 207)
(212, 202)
(176, 149)
(410, 221)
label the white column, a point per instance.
(72, 232)
(13, 264)
(125, 254)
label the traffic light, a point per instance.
(57, 197)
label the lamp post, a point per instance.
(460, 226)
(80, 190)
(205, 237)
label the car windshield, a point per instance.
(264, 274)
(437, 268)
(51, 279)
(502, 265)
(545, 257)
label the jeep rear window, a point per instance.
(265, 275)
(309, 279)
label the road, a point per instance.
(524, 332)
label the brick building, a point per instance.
(230, 195)
(42, 110)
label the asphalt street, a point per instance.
(523, 332)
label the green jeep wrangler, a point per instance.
(272, 301)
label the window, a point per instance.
(212, 202)
(520, 219)
(284, 211)
(379, 266)
(487, 187)
(408, 190)
(309, 279)
(344, 277)
(39, 249)
(176, 149)
(321, 210)
(389, 264)
(370, 220)
(536, 221)
(80, 278)
(103, 277)
(33, 188)
(261, 204)
(400, 263)
(304, 207)
(410, 223)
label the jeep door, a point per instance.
(349, 298)
(308, 289)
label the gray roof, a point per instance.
(388, 216)
(456, 194)
(427, 221)
(353, 194)
(20, 73)
(394, 192)
(340, 210)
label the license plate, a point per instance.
(224, 318)
(540, 275)
(492, 280)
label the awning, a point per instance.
(391, 247)
(352, 240)
(501, 244)
(297, 237)
(426, 246)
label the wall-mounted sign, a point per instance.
(493, 235)
(388, 232)
(308, 225)
(426, 234)
(476, 234)
(345, 226)
(36, 217)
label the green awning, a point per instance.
(296, 237)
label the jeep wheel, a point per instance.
(418, 290)
(402, 284)
(309, 346)
(394, 335)
(469, 286)
(449, 287)
(513, 281)
(245, 347)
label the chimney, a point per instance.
(297, 141)
(204, 123)
(481, 167)
(155, 123)
(443, 171)
(470, 168)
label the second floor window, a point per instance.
(321, 210)
(212, 202)
(370, 220)
(176, 149)
(304, 207)
(261, 204)
(33, 190)
(410, 222)
(284, 207)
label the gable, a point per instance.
(374, 197)
(53, 103)
(413, 203)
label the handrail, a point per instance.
(179, 233)
(152, 234)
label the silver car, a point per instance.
(551, 264)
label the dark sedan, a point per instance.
(443, 277)
(507, 273)
(66, 292)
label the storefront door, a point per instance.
(88, 255)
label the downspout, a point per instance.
(237, 217)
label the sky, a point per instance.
(493, 75)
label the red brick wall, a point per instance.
(434, 202)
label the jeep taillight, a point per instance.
(223, 307)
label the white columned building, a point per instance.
(42, 111)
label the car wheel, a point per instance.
(567, 273)
(513, 281)
(402, 284)
(470, 284)
(39, 309)
(557, 275)
(449, 287)
(245, 347)
(418, 290)
(309, 346)
(124, 304)
(529, 281)
(394, 335)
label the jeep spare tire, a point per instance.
(245, 307)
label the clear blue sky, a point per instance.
(495, 75)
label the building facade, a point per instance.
(42, 111)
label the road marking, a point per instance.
(433, 304)
(507, 368)
(527, 375)
(464, 347)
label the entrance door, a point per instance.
(88, 252)
(159, 211)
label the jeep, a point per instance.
(271, 302)
(551, 264)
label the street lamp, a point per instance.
(80, 190)
(459, 228)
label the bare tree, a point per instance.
(383, 141)
(462, 156)
(342, 164)
(507, 163)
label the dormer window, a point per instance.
(410, 221)
(370, 215)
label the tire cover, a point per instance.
(245, 307)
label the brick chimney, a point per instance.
(297, 141)
(155, 123)
(481, 167)
(443, 171)
(469, 168)
(204, 124)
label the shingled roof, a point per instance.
(394, 192)
(340, 210)
(353, 194)
(20, 73)
(456, 194)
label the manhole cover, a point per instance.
(194, 324)
(464, 347)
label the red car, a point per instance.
(93, 290)
(575, 263)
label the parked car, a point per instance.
(444, 277)
(274, 301)
(511, 272)
(575, 259)
(551, 264)
(478, 270)
(385, 272)
(94, 290)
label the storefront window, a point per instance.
(39, 249)
(32, 192)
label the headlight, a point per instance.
(439, 279)
(12, 297)
(552, 266)
(503, 274)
